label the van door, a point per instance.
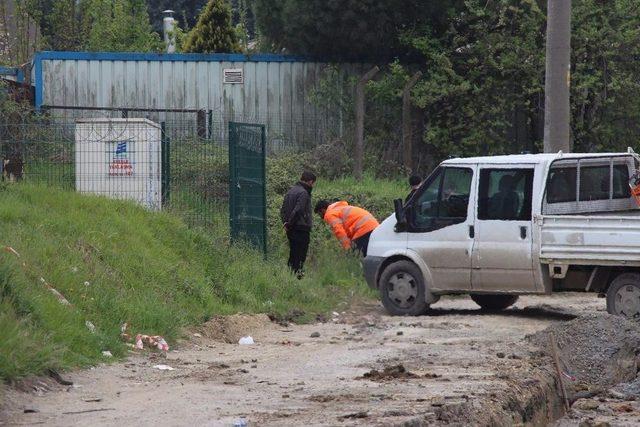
(440, 226)
(502, 258)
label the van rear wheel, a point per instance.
(402, 289)
(623, 296)
(494, 302)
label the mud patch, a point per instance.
(395, 372)
(230, 329)
(293, 316)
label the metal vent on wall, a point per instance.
(233, 76)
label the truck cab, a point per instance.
(489, 226)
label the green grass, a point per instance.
(116, 262)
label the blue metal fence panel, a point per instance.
(276, 88)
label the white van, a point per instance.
(502, 226)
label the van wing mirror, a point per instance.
(401, 216)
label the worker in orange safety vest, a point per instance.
(351, 225)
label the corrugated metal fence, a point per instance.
(274, 90)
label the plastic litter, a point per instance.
(197, 335)
(107, 353)
(246, 341)
(241, 422)
(151, 340)
(164, 367)
(90, 326)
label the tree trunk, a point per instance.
(358, 163)
(407, 128)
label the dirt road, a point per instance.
(451, 367)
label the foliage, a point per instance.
(186, 11)
(344, 29)
(213, 32)
(95, 25)
(605, 91)
(482, 88)
(486, 67)
(120, 25)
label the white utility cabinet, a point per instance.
(119, 158)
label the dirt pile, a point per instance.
(230, 329)
(595, 350)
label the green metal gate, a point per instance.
(247, 185)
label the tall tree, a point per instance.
(118, 25)
(213, 31)
(347, 29)
(108, 25)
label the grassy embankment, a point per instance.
(116, 262)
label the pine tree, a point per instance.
(213, 32)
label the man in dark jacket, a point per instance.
(296, 217)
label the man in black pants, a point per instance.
(296, 217)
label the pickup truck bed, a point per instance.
(593, 239)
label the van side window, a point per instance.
(621, 189)
(594, 182)
(444, 200)
(561, 184)
(505, 194)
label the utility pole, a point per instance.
(557, 77)
(358, 163)
(407, 128)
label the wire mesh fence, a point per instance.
(162, 159)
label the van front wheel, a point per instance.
(402, 289)
(494, 302)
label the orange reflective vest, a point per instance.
(349, 222)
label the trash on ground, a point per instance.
(107, 353)
(123, 332)
(241, 422)
(246, 341)
(164, 367)
(151, 340)
(90, 326)
(197, 335)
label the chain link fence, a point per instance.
(173, 160)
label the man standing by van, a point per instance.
(351, 225)
(297, 220)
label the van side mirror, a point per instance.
(401, 217)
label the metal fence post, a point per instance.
(165, 164)
(264, 191)
(201, 124)
(232, 179)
